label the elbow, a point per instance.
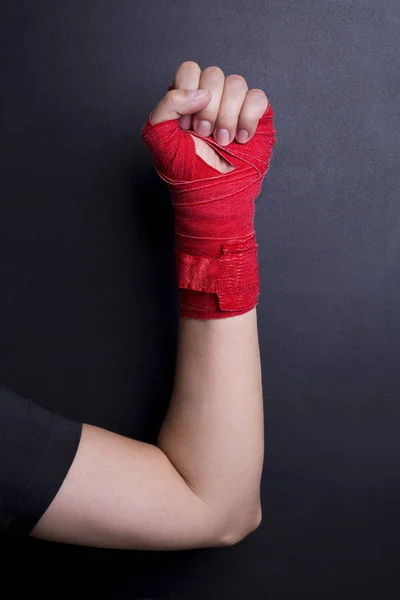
(238, 531)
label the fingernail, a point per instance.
(223, 136)
(204, 128)
(242, 135)
(197, 94)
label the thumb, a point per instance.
(176, 103)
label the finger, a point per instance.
(176, 103)
(254, 106)
(187, 77)
(213, 79)
(234, 94)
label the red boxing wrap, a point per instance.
(215, 247)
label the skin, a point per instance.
(200, 485)
(229, 106)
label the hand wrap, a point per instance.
(215, 247)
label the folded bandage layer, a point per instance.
(215, 248)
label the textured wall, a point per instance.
(88, 311)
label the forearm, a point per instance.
(214, 429)
(213, 432)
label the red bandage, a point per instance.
(215, 248)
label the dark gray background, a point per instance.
(88, 311)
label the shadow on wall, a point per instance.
(155, 224)
(154, 212)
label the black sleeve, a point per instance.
(37, 448)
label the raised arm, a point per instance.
(200, 486)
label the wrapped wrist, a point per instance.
(216, 252)
(219, 286)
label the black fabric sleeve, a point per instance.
(37, 448)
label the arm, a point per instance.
(214, 430)
(200, 486)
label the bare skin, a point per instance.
(230, 106)
(200, 485)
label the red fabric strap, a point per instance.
(215, 249)
(233, 277)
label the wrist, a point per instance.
(218, 286)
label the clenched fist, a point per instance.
(228, 109)
(214, 176)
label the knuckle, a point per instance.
(257, 93)
(214, 71)
(190, 65)
(237, 80)
(207, 115)
(227, 118)
(187, 68)
(258, 103)
(250, 123)
(169, 98)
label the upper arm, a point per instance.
(123, 493)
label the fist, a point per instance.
(228, 111)
(215, 249)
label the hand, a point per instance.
(215, 242)
(229, 105)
